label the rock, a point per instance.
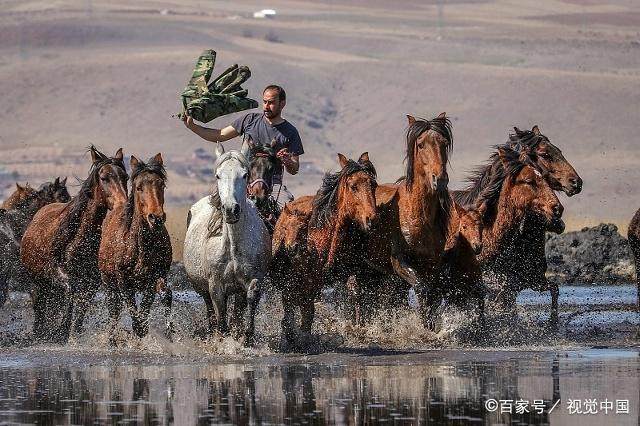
(597, 255)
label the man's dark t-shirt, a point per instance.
(283, 135)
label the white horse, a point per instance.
(227, 248)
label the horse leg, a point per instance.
(429, 300)
(130, 300)
(288, 322)
(143, 313)
(307, 312)
(555, 293)
(114, 304)
(237, 315)
(39, 299)
(252, 298)
(219, 299)
(85, 296)
(166, 298)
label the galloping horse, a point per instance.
(634, 241)
(409, 237)
(135, 249)
(529, 244)
(21, 206)
(60, 247)
(227, 248)
(311, 234)
(516, 192)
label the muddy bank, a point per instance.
(597, 255)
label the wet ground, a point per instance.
(391, 371)
(436, 387)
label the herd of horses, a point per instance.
(371, 242)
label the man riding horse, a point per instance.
(266, 130)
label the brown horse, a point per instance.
(135, 249)
(634, 241)
(60, 248)
(529, 244)
(311, 236)
(517, 192)
(462, 278)
(22, 206)
(19, 196)
(409, 237)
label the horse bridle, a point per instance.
(254, 182)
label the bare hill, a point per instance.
(109, 73)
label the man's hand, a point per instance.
(188, 121)
(290, 161)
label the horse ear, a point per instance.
(63, 182)
(18, 187)
(411, 119)
(134, 162)
(56, 182)
(219, 149)
(342, 160)
(482, 208)
(505, 155)
(157, 159)
(536, 130)
(118, 155)
(442, 115)
(364, 158)
(246, 149)
(94, 154)
(518, 131)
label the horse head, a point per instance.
(357, 191)
(429, 143)
(528, 190)
(471, 225)
(232, 172)
(148, 181)
(559, 172)
(55, 192)
(107, 179)
(262, 168)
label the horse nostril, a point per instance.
(235, 210)
(557, 210)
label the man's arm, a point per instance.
(211, 135)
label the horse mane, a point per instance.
(151, 167)
(215, 220)
(325, 201)
(481, 177)
(492, 182)
(440, 125)
(72, 212)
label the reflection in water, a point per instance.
(408, 389)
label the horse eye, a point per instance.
(217, 176)
(244, 176)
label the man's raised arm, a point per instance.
(211, 135)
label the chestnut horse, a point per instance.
(634, 241)
(517, 192)
(135, 249)
(311, 236)
(60, 248)
(22, 205)
(529, 244)
(409, 237)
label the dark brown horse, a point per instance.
(409, 237)
(135, 249)
(529, 244)
(22, 206)
(516, 193)
(55, 191)
(60, 248)
(262, 167)
(634, 241)
(312, 234)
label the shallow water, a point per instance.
(441, 387)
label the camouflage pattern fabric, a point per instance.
(205, 101)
